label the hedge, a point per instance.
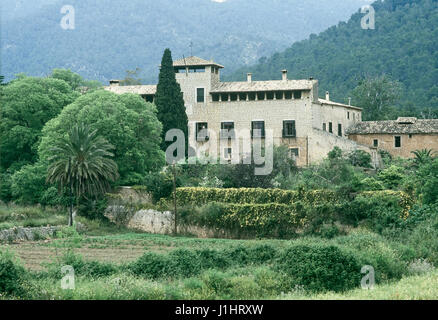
(404, 201)
(201, 196)
(242, 220)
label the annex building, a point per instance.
(290, 109)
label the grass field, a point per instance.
(111, 262)
(251, 281)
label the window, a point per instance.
(279, 95)
(410, 136)
(340, 130)
(270, 95)
(233, 96)
(294, 153)
(289, 130)
(397, 141)
(200, 95)
(297, 94)
(148, 97)
(324, 126)
(376, 143)
(288, 95)
(215, 97)
(330, 127)
(224, 96)
(196, 69)
(258, 129)
(242, 96)
(260, 96)
(227, 153)
(348, 115)
(251, 96)
(180, 70)
(227, 130)
(201, 131)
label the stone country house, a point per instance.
(290, 109)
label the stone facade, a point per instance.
(400, 137)
(293, 105)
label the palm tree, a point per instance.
(81, 162)
(423, 156)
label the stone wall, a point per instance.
(27, 234)
(322, 142)
(409, 143)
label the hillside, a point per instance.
(403, 46)
(113, 36)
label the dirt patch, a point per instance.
(33, 254)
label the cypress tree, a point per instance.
(169, 101)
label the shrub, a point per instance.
(184, 262)
(371, 184)
(160, 185)
(151, 265)
(378, 209)
(319, 268)
(202, 196)
(360, 158)
(93, 208)
(11, 274)
(392, 176)
(374, 250)
(259, 220)
(80, 266)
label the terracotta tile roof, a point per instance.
(275, 85)
(399, 126)
(142, 89)
(195, 61)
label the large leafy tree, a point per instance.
(75, 80)
(82, 162)
(27, 104)
(377, 96)
(169, 100)
(128, 122)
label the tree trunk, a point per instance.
(70, 216)
(175, 230)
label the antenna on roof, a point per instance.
(187, 69)
(191, 48)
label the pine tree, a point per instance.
(169, 101)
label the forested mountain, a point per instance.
(403, 46)
(112, 36)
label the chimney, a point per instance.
(284, 75)
(349, 101)
(114, 83)
(327, 96)
(249, 77)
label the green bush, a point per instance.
(374, 250)
(160, 185)
(184, 262)
(254, 220)
(81, 267)
(201, 196)
(378, 210)
(11, 275)
(151, 265)
(319, 268)
(93, 209)
(360, 158)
